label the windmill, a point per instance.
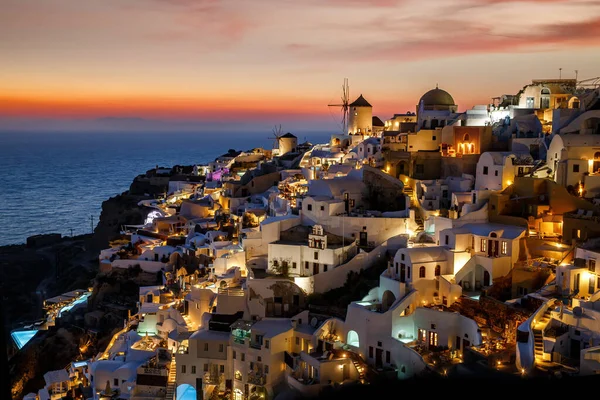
(344, 105)
(277, 134)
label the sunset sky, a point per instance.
(250, 64)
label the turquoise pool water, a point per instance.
(22, 337)
(186, 392)
(81, 299)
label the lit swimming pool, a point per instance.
(81, 299)
(22, 337)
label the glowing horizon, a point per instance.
(278, 61)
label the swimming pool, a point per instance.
(22, 337)
(80, 300)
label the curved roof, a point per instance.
(360, 102)
(426, 254)
(437, 97)
(169, 325)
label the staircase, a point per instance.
(539, 338)
(538, 345)
(171, 380)
(360, 368)
(419, 221)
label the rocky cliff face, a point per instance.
(120, 210)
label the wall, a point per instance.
(378, 229)
(336, 277)
(425, 140)
(147, 266)
(362, 121)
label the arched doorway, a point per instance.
(545, 98)
(186, 392)
(486, 278)
(353, 339)
(238, 395)
(387, 300)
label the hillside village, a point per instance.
(436, 243)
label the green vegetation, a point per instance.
(356, 287)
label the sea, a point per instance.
(56, 182)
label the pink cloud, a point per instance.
(444, 41)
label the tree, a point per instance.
(280, 266)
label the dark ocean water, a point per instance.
(55, 182)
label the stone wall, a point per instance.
(385, 191)
(496, 315)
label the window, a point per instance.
(370, 351)
(433, 138)
(309, 207)
(234, 354)
(402, 256)
(433, 339)
(324, 267)
(483, 245)
(294, 265)
(496, 173)
(306, 264)
(379, 344)
(422, 272)
(266, 369)
(322, 208)
(222, 368)
(205, 346)
(592, 265)
(296, 299)
(297, 341)
(438, 271)
(205, 367)
(592, 285)
(447, 240)
(259, 358)
(183, 369)
(251, 365)
(243, 357)
(193, 369)
(485, 170)
(432, 326)
(278, 300)
(221, 348)
(316, 255)
(116, 382)
(408, 272)
(422, 335)
(387, 357)
(504, 247)
(238, 375)
(266, 344)
(575, 167)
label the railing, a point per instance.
(259, 379)
(255, 345)
(232, 292)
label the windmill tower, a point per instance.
(277, 135)
(344, 105)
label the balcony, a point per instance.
(256, 345)
(257, 378)
(212, 378)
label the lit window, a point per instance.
(483, 245)
(238, 375)
(504, 247)
(422, 335)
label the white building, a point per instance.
(305, 251)
(497, 170)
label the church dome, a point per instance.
(437, 97)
